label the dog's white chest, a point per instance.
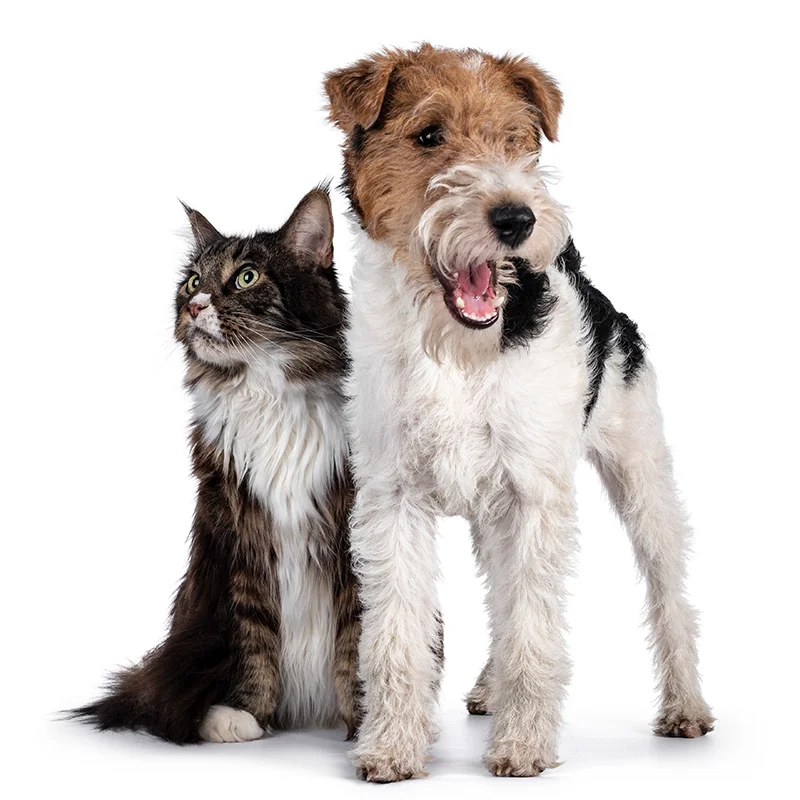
(490, 429)
(463, 433)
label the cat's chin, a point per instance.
(210, 351)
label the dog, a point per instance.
(484, 364)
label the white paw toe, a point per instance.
(225, 724)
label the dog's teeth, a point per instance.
(455, 275)
(459, 302)
(498, 301)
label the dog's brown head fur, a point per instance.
(476, 103)
(441, 164)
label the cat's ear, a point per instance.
(309, 231)
(203, 231)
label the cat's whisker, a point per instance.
(241, 342)
(269, 330)
(293, 355)
(251, 348)
(308, 329)
(291, 334)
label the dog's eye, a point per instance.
(432, 136)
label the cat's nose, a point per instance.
(196, 305)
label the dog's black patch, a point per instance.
(632, 346)
(528, 306)
(607, 327)
(570, 259)
(600, 315)
(348, 187)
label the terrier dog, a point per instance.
(484, 363)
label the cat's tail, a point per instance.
(170, 692)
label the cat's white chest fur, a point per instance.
(286, 441)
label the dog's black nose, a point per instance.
(512, 224)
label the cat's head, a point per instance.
(270, 299)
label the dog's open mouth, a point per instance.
(471, 295)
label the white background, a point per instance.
(679, 160)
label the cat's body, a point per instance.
(286, 444)
(265, 623)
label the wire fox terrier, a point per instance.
(484, 363)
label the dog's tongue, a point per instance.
(473, 293)
(476, 280)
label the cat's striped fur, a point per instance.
(265, 625)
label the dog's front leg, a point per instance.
(530, 550)
(393, 543)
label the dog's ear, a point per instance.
(309, 231)
(539, 89)
(356, 93)
(203, 231)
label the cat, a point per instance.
(265, 624)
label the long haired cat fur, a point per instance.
(265, 624)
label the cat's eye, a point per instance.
(432, 136)
(193, 284)
(246, 278)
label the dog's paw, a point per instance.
(476, 707)
(684, 726)
(384, 768)
(225, 724)
(517, 760)
(478, 700)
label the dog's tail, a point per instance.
(169, 693)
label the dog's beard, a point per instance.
(467, 268)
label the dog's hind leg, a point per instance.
(478, 699)
(626, 444)
(394, 555)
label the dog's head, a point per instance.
(441, 163)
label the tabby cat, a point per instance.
(264, 627)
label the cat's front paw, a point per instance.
(684, 725)
(226, 724)
(511, 759)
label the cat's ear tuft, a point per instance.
(309, 231)
(203, 231)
